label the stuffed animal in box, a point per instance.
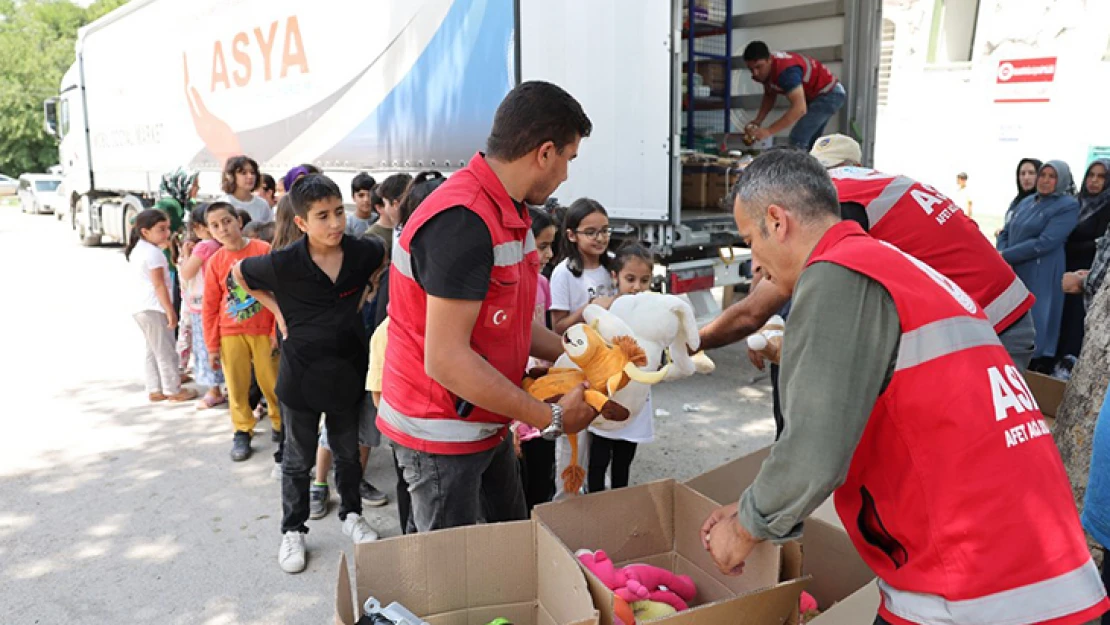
(608, 366)
(640, 582)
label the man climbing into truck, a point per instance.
(815, 94)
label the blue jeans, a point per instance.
(818, 112)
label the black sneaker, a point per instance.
(318, 501)
(275, 436)
(241, 446)
(372, 496)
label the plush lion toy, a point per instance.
(607, 366)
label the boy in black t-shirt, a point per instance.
(315, 287)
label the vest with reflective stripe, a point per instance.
(416, 411)
(956, 496)
(922, 222)
(816, 78)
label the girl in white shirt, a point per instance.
(583, 278)
(153, 308)
(613, 451)
(240, 180)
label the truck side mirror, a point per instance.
(50, 116)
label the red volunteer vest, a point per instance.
(922, 222)
(956, 496)
(416, 411)
(816, 78)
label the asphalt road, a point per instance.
(117, 511)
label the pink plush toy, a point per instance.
(640, 582)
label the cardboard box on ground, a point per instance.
(470, 576)
(1048, 393)
(842, 584)
(660, 524)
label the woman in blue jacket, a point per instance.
(1033, 243)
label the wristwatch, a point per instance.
(555, 429)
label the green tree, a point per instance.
(36, 47)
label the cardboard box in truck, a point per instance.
(470, 576)
(839, 575)
(660, 524)
(1048, 393)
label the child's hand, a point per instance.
(516, 444)
(604, 302)
(281, 328)
(214, 361)
(171, 318)
(273, 343)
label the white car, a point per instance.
(38, 193)
(8, 185)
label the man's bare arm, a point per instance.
(765, 106)
(450, 361)
(794, 113)
(546, 345)
(744, 317)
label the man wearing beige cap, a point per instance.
(920, 221)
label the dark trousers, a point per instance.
(776, 403)
(459, 490)
(880, 620)
(606, 452)
(404, 500)
(1106, 581)
(255, 394)
(537, 471)
(302, 429)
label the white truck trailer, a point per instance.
(406, 85)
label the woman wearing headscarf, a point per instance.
(1094, 218)
(1033, 243)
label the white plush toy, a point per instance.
(660, 323)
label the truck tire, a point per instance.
(87, 240)
(129, 215)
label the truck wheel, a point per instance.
(87, 240)
(129, 216)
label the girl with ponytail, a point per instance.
(152, 305)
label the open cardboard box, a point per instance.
(840, 578)
(660, 524)
(1048, 392)
(470, 576)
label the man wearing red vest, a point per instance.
(814, 93)
(921, 222)
(462, 290)
(900, 400)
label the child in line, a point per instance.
(583, 278)
(240, 180)
(267, 190)
(391, 189)
(153, 305)
(362, 186)
(537, 454)
(316, 286)
(614, 451)
(238, 330)
(192, 276)
(260, 231)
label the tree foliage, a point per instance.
(37, 40)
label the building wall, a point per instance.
(941, 117)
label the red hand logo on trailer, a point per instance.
(216, 134)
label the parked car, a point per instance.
(38, 193)
(8, 185)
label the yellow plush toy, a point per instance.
(608, 367)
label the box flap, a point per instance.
(834, 563)
(499, 568)
(344, 608)
(761, 569)
(725, 483)
(516, 613)
(771, 606)
(562, 590)
(1047, 390)
(628, 523)
(860, 607)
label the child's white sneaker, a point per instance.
(358, 529)
(291, 556)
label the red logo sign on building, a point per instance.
(1025, 80)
